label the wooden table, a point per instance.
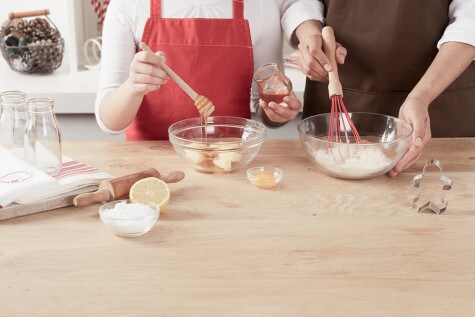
(313, 246)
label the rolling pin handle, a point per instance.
(86, 199)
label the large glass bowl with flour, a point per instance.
(217, 145)
(385, 139)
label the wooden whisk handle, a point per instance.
(177, 79)
(329, 48)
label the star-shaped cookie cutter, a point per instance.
(437, 207)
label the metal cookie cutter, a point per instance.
(436, 206)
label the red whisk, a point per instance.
(339, 117)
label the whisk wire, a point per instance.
(340, 118)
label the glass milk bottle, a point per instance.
(12, 121)
(42, 136)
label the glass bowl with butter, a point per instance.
(264, 176)
(217, 145)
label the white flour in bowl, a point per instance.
(354, 161)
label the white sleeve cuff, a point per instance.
(101, 124)
(459, 31)
(300, 12)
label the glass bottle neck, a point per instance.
(13, 99)
(40, 105)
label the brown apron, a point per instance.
(390, 44)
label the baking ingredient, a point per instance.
(129, 219)
(225, 160)
(195, 156)
(215, 156)
(354, 160)
(127, 211)
(150, 191)
(264, 180)
(277, 96)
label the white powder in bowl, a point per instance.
(128, 219)
(354, 161)
(129, 211)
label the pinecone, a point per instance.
(36, 43)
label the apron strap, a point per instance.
(156, 8)
(238, 9)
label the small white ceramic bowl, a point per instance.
(127, 225)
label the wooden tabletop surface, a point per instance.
(312, 246)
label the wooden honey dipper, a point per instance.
(204, 105)
(338, 114)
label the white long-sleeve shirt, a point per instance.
(269, 20)
(461, 27)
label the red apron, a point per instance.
(214, 56)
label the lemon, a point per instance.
(150, 191)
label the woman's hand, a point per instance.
(146, 73)
(415, 112)
(313, 61)
(283, 112)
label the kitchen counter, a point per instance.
(313, 246)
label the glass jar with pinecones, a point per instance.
(31, 43)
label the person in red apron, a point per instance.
(393, 67)
(217, 57)
(213, 55)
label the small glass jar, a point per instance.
(42, 136)
(272, 84)
(12, 120)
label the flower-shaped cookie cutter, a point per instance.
(436, 206)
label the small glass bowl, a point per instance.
(264, 176)
(127, 227)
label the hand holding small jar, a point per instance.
(275, 90)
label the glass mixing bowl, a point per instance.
(385, 140)
(218, 144)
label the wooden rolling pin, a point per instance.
(118, 188)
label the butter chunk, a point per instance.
(225, 160)
(194, 156)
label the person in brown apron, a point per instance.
(393, 67)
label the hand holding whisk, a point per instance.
(339, 117)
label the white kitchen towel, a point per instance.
(18, 178)
(23, 183)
